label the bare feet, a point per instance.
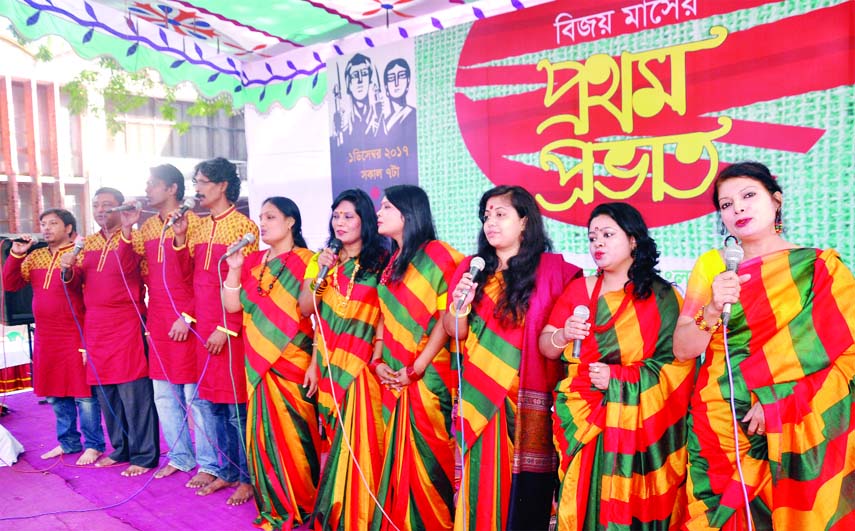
(88, 457)
(105, 461)
(56, 452)
(168, 470)
(200, 480)
(134, 470)
(241, 495)
(214, 486)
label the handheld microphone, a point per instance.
(733, 254)
(136, 205)
(22, 240)
(585, 313)
(334, 246)
(79, 242)
(247, 239)
(475, 266)
(188, 204)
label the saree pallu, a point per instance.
(349, 480)
(792, 349)
(623, 450)
(488, 406)
(278, 347)
(417, 482)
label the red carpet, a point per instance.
(87, 498)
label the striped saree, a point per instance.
(278, 345)
(348, 320)
(622, 451)
(417, 483)
(792, 349)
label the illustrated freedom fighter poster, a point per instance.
(373, 120)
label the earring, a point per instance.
(723, 229)
(779, 222)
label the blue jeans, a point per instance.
(66, 409)
(171, 401)
(226, 424)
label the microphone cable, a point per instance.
(736, 429)
(461, 491)
(344, 435)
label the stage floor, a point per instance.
(56, 494)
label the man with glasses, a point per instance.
(220, 359)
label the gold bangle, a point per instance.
(453, 311)
(552, 340)
(226, 331)
(232, 288)
(703, 326)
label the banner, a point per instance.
(373, 120)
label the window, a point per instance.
(75, 136)
(147, 133)
(22, 129)
(47, 130)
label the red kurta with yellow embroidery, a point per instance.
(109, 268)
(206, 246)
(57, 362)
(170, 293)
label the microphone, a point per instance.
(247, 239)
(475, 266)
(79, 242)
(733, 254)
(188, 204)
(335, 247)
(585, 313)
(136, 205)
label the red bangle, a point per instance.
(412, 374)
(374, 363)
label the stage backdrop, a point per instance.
(373, 120)
(643, 101)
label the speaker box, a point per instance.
(17, 305)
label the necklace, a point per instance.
(387, 271)
(261, 291)
(341, 305)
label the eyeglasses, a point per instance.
(359, 74)
(200, 181)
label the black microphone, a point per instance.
(733, 254)
(247, 239)
(334, 246)
(475, 266)
(585, 313)
(188, 204)
(136, 205)
(22, 240)
(79, 242)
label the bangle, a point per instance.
(378, 340)
(412, 374)
(226, 331)
(231, 288)
(187, 318)
(318, 288)
(374, 363)
(552, 340)
(453, 311)
(703, 326)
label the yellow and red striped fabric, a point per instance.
(792, 349)
(488, 406)
(622, 451)
(278, 347)
(417, 483)
(348, 480)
